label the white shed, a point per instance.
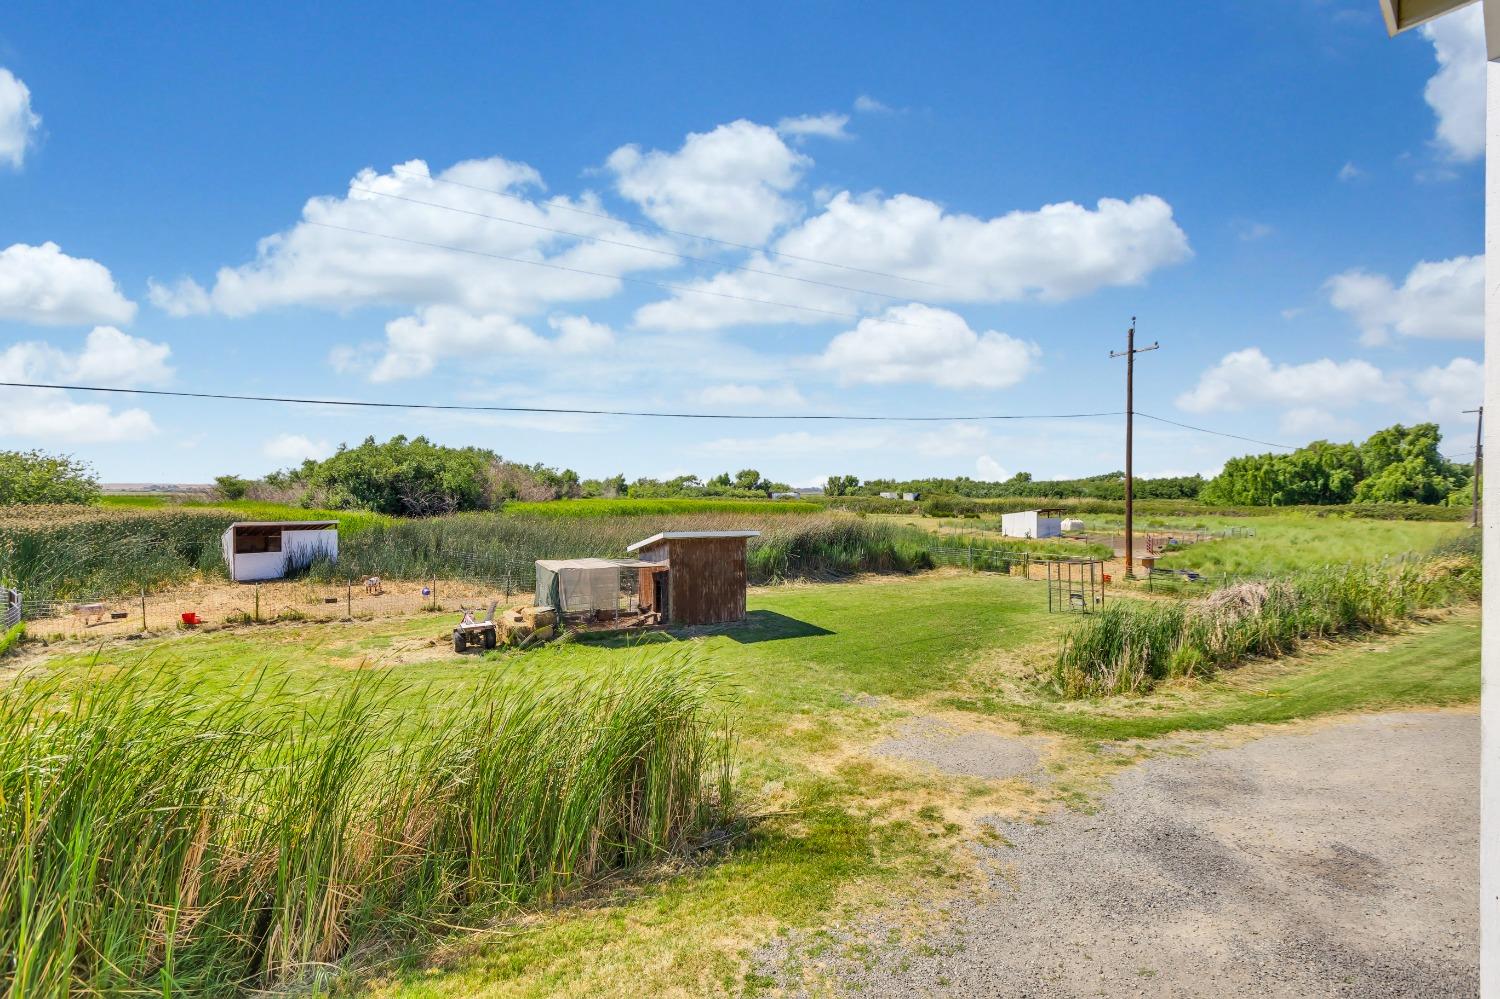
(1030, 524)
(266, 549)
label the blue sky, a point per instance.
(949, 211)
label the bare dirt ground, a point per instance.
(1329, 859)
(217, 603)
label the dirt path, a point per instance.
(1337, 859)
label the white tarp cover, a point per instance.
(582, 584)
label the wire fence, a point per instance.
(330, 591)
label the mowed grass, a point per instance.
(1288, 542)
(803, 648)
(1435, 664)
(829, 830)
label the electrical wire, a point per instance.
(649, 414)
(665, 285)
(632, 246)
(365, 403)
(652, 227)
(1216, 433)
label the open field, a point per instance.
(871, 716)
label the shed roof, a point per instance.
(688, 536)
(554, 564)
(300, 524)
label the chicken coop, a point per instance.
(694, 577)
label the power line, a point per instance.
(365, 403)
(649, 414)
(1216, 433)
(653, 227)
(633, 246)
(665, 285)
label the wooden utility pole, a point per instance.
(1129, 354)
(1478, 461)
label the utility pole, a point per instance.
(1478, 460)
(1129, 354)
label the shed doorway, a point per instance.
(661, 590)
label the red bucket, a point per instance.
(190, 618)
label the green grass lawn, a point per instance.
(1286, 542)
(816, 674)
(350, 521)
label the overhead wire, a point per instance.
(1216, 433)
(557, 410)
(641, 413)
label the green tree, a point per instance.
(749, 480)
(841, 485)
(28, 477)
(231, 487)
(414, 478)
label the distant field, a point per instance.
(656, 507)
(1156, 507)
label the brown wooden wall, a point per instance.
(706, 581)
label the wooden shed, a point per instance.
(704, 582)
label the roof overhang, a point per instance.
(688, 536)
(1403, 15)
(295, 525)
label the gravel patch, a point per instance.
(966, 754)
(1331, 861)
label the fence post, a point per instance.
(143, 608)
(349, 598)
(257, 603)
(971, 556)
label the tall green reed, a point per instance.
(152, 843)
(1129, 648)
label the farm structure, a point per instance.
(1032, 524)
(267, 549)
(591, 585)
(696, 577)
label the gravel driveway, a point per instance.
(1339, 859)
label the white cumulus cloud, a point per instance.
(415, 343)
(42, 285)
(734, 394)
(731, 183)
(18, 123)
(422, 255)
(295, 448)
(918, 343)
(826, 126)
(1057, 252)
(580, 334)
(989, 469)
(1247, 378)
(108, 357)
(1456, 91)
(1450, 389)
(1441, 299)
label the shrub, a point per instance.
(30, 477)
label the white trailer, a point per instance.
(1030, 524)
(267, 549)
